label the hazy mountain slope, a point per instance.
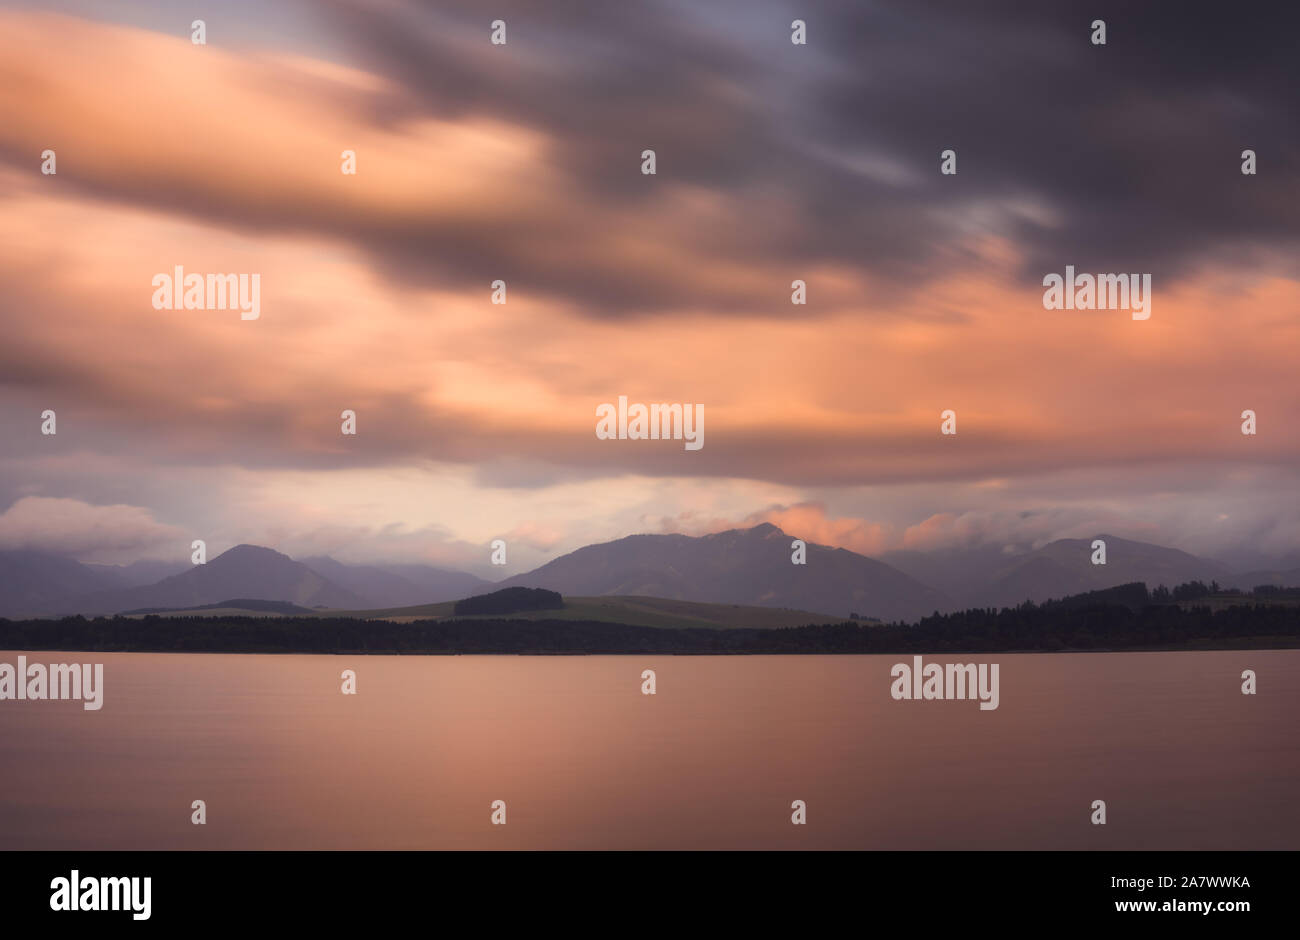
(437, 584)
(378, 587)
(141, 572)
(963, 574)
(33, 583)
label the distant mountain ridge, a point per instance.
(247, 571)
(749, 567)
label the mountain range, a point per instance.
(750, 567)
(987, 577)
(739, 566)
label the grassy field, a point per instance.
(633, 611)
(649, 612)
(218, 612)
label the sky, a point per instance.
(523, 162)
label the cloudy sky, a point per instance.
(522, 162)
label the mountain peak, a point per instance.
(251, 552)
(764, 530)
(743, 566)
(251, 572)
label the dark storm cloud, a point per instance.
(1137, 142)
(1123, 157)
(1134, 146)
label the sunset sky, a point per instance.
(522, 162)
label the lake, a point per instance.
(713, 760)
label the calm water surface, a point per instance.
(713, 761)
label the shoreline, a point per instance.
(653, 652)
